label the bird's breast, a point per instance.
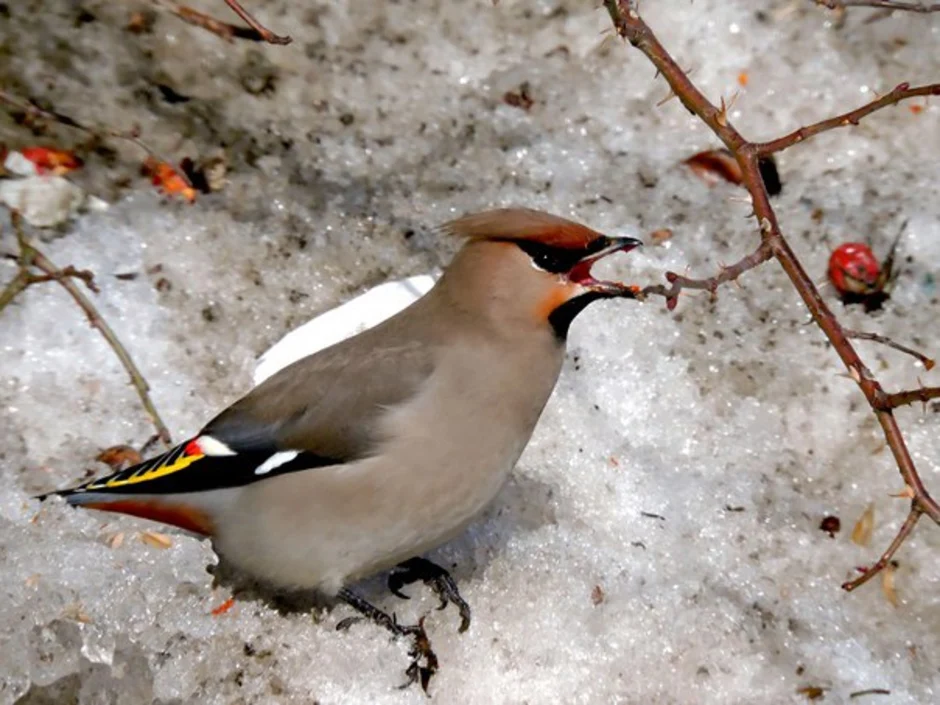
(463, 432)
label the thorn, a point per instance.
(765, 225)
(855, 375)
(906, 493)
(668, 97)
(722, 117)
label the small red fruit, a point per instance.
(854, 269)
(52, 161)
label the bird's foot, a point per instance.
(435, 577)
(424, 661)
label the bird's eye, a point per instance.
(549, 261)
(556, 260)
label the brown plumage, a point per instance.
(522, 224)
(383, 446)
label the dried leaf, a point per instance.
(76, 613)
(713, 165)
(597, 595)
(887, 583)
(658, 237)
(812, 692)
(33, 580)
(224, 607)
(141, 22)
(119, 457)
(116, 540)
(862, 531)
(48, 160)
(520, 98)
(168, 180)
(157, 540)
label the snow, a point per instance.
(731, 419)
(354, 316)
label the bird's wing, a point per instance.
(321, 410)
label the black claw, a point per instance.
(435, 577)
(345, 624)
(396, 582)
(421, 645)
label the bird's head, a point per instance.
(531, 268)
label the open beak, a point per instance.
(581, 273)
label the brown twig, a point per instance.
(630, 26)
(727, 274)
(927, 362)
(30, 257)
(911, 396)
(880, 4)
(132, 135)
(255, 31)
(853, 117)
(906, 528)
(265, 33)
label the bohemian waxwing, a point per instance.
(368, 453)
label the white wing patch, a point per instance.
(276, 461)
(354, 316)
(213, 446)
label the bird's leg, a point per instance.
(421, 646)
(435, 577)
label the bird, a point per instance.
(366, 454)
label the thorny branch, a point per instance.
(255, 31)
(881, 4)
(727, 274)
(32, 110)
(30, 257)
(631, 27)
(927, 362)
(911, 396)
(901, 92)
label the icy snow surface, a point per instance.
(729, 420)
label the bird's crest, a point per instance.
(522, 224)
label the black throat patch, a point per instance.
(561, 318)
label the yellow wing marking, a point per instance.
(181, 463)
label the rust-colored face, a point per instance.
(534, 267)
(570, 284)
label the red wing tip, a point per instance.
(179, 515)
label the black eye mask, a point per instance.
(559, 260)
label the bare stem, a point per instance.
(773, 243)
(881, 4)
(255, 31)
(924, 394)
(265, 33)
(900, 92)
(30, 256)
(727, 274)
(906, 528)
(927, 362)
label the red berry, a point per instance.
(854, 269)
